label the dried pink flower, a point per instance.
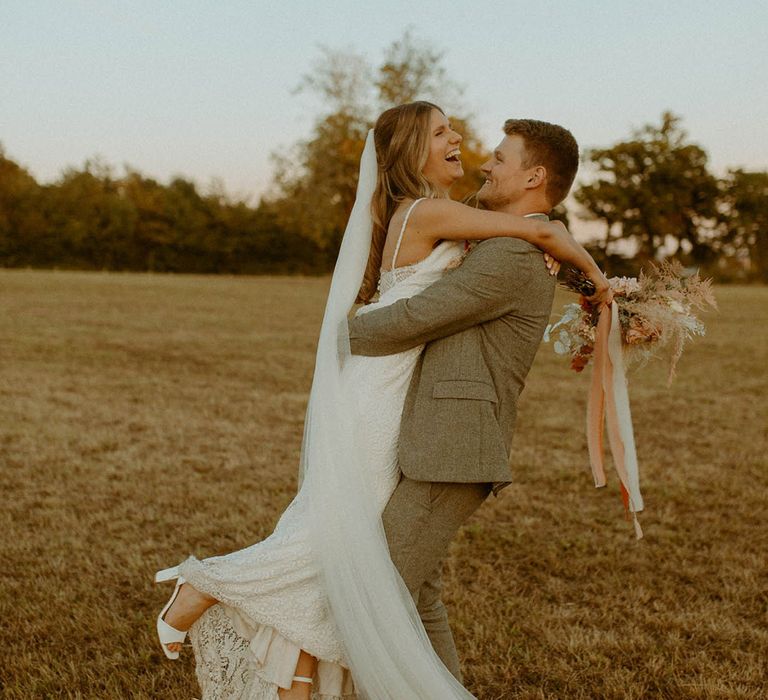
(641, 330)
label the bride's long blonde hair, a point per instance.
(401, 137)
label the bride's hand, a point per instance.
(603, 295)
(553, 264)
(556, 241)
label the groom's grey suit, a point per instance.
(482, 324)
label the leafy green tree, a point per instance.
(88, 221)
(744, 214)
(316, 198)
(654, 190)
(262, 245)
(22, 222)
(412, 70)
(314, 187)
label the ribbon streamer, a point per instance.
(609, 403)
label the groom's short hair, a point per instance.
(553, 147)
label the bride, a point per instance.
(319, 602)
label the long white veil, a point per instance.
(388, 651)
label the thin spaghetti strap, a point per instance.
(402, 231)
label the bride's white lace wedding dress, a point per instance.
(271, 598)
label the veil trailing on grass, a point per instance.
(387, 648)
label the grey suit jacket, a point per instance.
(482, 324)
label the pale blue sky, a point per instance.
(205, 89)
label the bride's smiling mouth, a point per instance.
(454, 156)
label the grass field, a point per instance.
(145, 417)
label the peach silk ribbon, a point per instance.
(609, 403)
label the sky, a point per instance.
(207, 90)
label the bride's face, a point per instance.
(443, 166)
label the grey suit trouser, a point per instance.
(420, 520)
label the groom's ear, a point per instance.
(536, 177)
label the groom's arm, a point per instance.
(487, 285)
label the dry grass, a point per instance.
(144, 417)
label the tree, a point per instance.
(316, 198)
(744, 216)
(413, 71)
(153, 232)
(654, 191)
(89, 224)
(22, 221)
(314, 186)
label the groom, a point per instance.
(459, 414)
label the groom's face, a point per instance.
(506, 180)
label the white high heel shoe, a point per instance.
(165, 633)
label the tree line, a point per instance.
(90, 219)
(652, 194)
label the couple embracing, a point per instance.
(408, 428)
